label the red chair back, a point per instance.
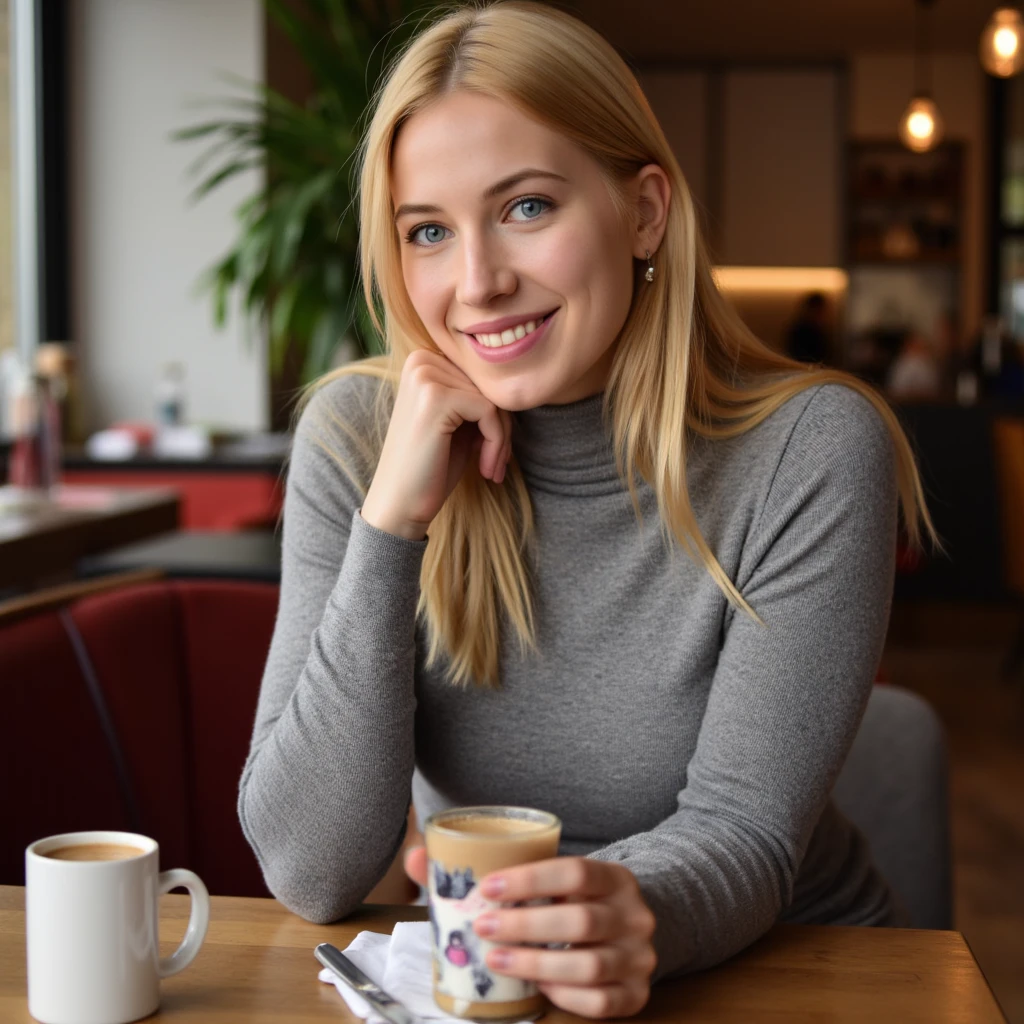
(57, 772)
(227, 637)
(178, 665)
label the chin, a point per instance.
(515, 397)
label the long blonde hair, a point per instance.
(685, 360)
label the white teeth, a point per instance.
(507, 337)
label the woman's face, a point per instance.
(502, 221)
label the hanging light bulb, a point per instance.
(921, 127)
(1002, 43)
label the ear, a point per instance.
(653, 192)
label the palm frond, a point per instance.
(293, 264)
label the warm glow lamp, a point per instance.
(1002, 43)
(921, 127)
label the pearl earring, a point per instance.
(649, 273)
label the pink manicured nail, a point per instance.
(499, 958)
(494, 886)
(486, 924)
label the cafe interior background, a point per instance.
(859, 167)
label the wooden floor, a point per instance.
(953, 658)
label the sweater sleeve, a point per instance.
(786, 698)
(325, 790)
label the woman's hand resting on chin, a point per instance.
(440, 420)
(601, 911)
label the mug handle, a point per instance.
(197, 921)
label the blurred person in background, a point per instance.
(994, 357)
(915, 374)
(808, 339)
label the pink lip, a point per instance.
(516, 349)
(497, 326)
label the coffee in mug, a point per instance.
(463, 845)
(95, 851)
(91, 917)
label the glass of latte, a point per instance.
(463, 845)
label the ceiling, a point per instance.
(773, 29)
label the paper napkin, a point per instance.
(400, 964)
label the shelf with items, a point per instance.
(876, 257)
(902, 242)
(893, 196)
(884, 170)
(904, 251)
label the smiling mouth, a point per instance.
(511, 335)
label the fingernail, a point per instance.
(494, 886)
(486, 924)
(499, 958)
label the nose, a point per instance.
(484, 272)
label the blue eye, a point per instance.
(536, 202)
(411, 237)
(414, 237)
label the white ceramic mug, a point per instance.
(93, 951)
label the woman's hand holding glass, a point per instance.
(601, 913)
(439, 421)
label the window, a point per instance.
(6, 199)
(1006, 198)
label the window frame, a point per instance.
(38, 34)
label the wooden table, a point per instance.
(257, 965)
(41, 539)
(197, 554)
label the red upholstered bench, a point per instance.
(209, 500)
(178, 665)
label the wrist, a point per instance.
(392, 525)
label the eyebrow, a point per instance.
(494, 190)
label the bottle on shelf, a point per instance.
(992, 346)
(170, 396)
(52, 389)
(49, 432)
(25, 466)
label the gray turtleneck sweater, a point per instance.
(668, 731)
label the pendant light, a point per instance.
(1002, 42)
(921, 126)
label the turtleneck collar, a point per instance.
(566, 449)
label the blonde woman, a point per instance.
(579, 541)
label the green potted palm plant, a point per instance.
(293, 263)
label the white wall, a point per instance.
(6, 220)
(139, 244)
